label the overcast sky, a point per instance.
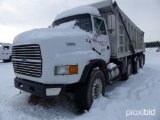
(17, 16)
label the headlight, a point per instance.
(66, 70)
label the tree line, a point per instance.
(153, 44)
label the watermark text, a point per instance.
(143, 112)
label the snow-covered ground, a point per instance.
(141, 91)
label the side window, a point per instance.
(100, 26)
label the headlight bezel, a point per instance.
(66, 70)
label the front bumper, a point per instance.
(38, 89)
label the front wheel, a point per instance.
(90, 90)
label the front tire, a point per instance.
(90, 90)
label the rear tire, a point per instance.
(135, 65)
(92, 89)
(129, 68)
(141, 60)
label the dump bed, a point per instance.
(120, 44)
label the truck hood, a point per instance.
(66, 30)
(57, 40)
(37, 35)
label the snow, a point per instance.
(45, 33)
(140, 92)
(111, 66)
(65, 30)
(77, 11)
(67, 25)
(102, 4)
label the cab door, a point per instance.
(102, 39)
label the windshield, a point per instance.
(83, 21)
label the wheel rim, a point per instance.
(142, 62)
(129, 69)
(96, 89)
(137, 64)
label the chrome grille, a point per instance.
(27, 60)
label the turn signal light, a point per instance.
(73, 69)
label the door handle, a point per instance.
(108, 47)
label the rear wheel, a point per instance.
(91, 90)
(141, 60)
(128, 71)
(136, 65)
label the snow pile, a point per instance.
(67, 25)
(111, 66)
(151, 50)
(140, 92)
(66, 29)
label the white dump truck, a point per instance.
(84, 49)
(5, 52)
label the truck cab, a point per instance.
(77, 38)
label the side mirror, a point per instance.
(111, 22)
